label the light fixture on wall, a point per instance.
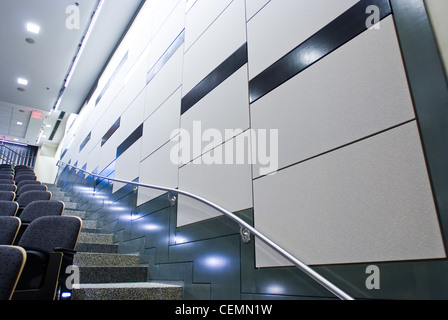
(79, 53)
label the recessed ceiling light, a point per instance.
(22, 81)
(19, 123)
(33, 28)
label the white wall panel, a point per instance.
(168, 32)
(370, 201)
(356, 91)
(282, 25)
(220, 40)
(161, 124)
(228, 185)
(224, 108)
(157, 170)
(127, 166)
(253, 6)
(132, 117)
(167, 80)
(200, 17)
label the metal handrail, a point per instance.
(18, 154)
(246, 229)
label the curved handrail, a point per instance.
(246, 229)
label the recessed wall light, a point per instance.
(22, 81)
(33, 28)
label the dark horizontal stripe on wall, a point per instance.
(86, 140)
(111, 131)
(112, 77)
(215, 78)
(338, 32)
(166, 56)
(137, 134)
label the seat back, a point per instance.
(7, 196)
(45, 234)
(6, 176)
(12, 261)
(9, 227)
(3, 181)
(8, 208)
(24, 177)
(30, 196)
(8, 187)
(31, 187)
(26, 182)
(41, 208)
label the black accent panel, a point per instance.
(86, 140)
(215, 78)
(137, 134)
(338, 32)
(111, 131)
(166, 56)
(112, 77)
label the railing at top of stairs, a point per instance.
(246, 229)
(9, 156)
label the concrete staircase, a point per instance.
(105, 274)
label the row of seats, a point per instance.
(20, 184)
(36, 244)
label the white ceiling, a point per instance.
(47, 61)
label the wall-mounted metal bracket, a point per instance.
(245, 234)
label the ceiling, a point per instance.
(45, 59)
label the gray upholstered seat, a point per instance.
(8, 208)
(50, 243)
(12, 261)
(5, 176)
(7, 196)
(8, 187)
(9, 227)
(26, 182)
(30, 196)
(3, 181)
(41, 208)
(31, 187)
(24, 177)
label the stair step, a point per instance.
(128, 291)
(110, 274)
(75, 213)
(97, 248)
(105, 259)
(95, 238)
(89, 224)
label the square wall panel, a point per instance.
(359, 89)
(157, 170)
(367, 202)
(200, 17)
(229, 185)
(222, 38)
(161, 125)
(225, 109)
(127, 165)
(282, 25)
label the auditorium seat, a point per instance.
(9, 228)
(24, 177)
(12, 261)
(7, 196)
(31, 187)
(50, 244)
(8, 187)
(8, 208)
(37, 209)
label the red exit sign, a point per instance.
(36, 115)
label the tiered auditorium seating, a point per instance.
(31, 223)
